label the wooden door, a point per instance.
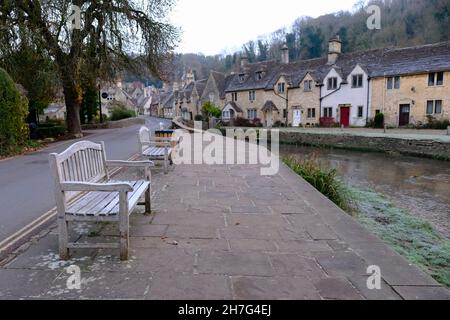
(345, 116)
(404, 114)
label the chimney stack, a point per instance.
(285, 54)
(334, 49)
(244, 60)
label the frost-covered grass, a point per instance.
(412, 237)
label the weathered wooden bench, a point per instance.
(154, 148)
(85, 193)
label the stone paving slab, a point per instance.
(223, 232)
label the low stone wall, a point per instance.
(115, 124)
(419, 148)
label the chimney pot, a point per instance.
(334, 49)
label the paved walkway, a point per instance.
(224, 232)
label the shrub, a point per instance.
(120, 112)
(13, 114)
(242, 122)
(433, 123)
(51, 131)
(198, 117)
(379, 121)
(324, 180)
(210, 110)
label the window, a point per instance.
(328, 112)
(431, 78)
(242, 77)
(226, 115)
(435, 79)
(434, 106)
(281, 87)
(259, 75)
(393, 83)
(311, 113)
(332, 83)
(430, 107)
(251, 114)
(211, 97)
(285, 114)
(308, 85)
(439, 78)
(360, 111)
(234, 96)
(252, 95)
(357, 81)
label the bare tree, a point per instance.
(120, 33)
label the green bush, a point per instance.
(324, 180)
(120, 112)
(379, 121)
(210, 110)
(13, 114)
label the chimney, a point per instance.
(244, 60)
(285, 54)
(334, 49)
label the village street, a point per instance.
(26, 190)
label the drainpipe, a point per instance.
(368, 99)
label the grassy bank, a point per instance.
(412, 237)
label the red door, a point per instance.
(345, 116)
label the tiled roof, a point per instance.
(269, 106)
(235, 107)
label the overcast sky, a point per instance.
(215, 26)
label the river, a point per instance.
(420, 186)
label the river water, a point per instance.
(420, 186)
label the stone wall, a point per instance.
(420, 148)
(115, 124)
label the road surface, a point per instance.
(26, 187)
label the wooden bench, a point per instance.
(154, 148)
(84, 192)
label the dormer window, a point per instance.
(281, 87)
(242, 77)
(332, 83)
(259, 75)
(357, 81)
(308, 85)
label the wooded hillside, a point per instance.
(403, 23)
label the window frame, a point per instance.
(332, 83)
(307, 85)
(252, 95)
(360, 112)
(359, 78)
(252, 114)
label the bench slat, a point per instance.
(106, 203)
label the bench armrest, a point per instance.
(96, 187)
(130, 164)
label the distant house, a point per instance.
(55, 111)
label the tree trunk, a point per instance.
(73, 101)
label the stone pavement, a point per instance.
(223, 232)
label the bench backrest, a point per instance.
(84, 161)
(144, 138)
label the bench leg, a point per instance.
(148, 200)
(63, 236)
(166, 163)
(124, 226)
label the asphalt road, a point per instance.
(26, 187)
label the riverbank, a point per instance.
(412, 237)
(432, 144)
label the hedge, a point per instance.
(13, 114)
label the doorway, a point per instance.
(297, 118)
(269, 119)
(345, 116)
(405, 110)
